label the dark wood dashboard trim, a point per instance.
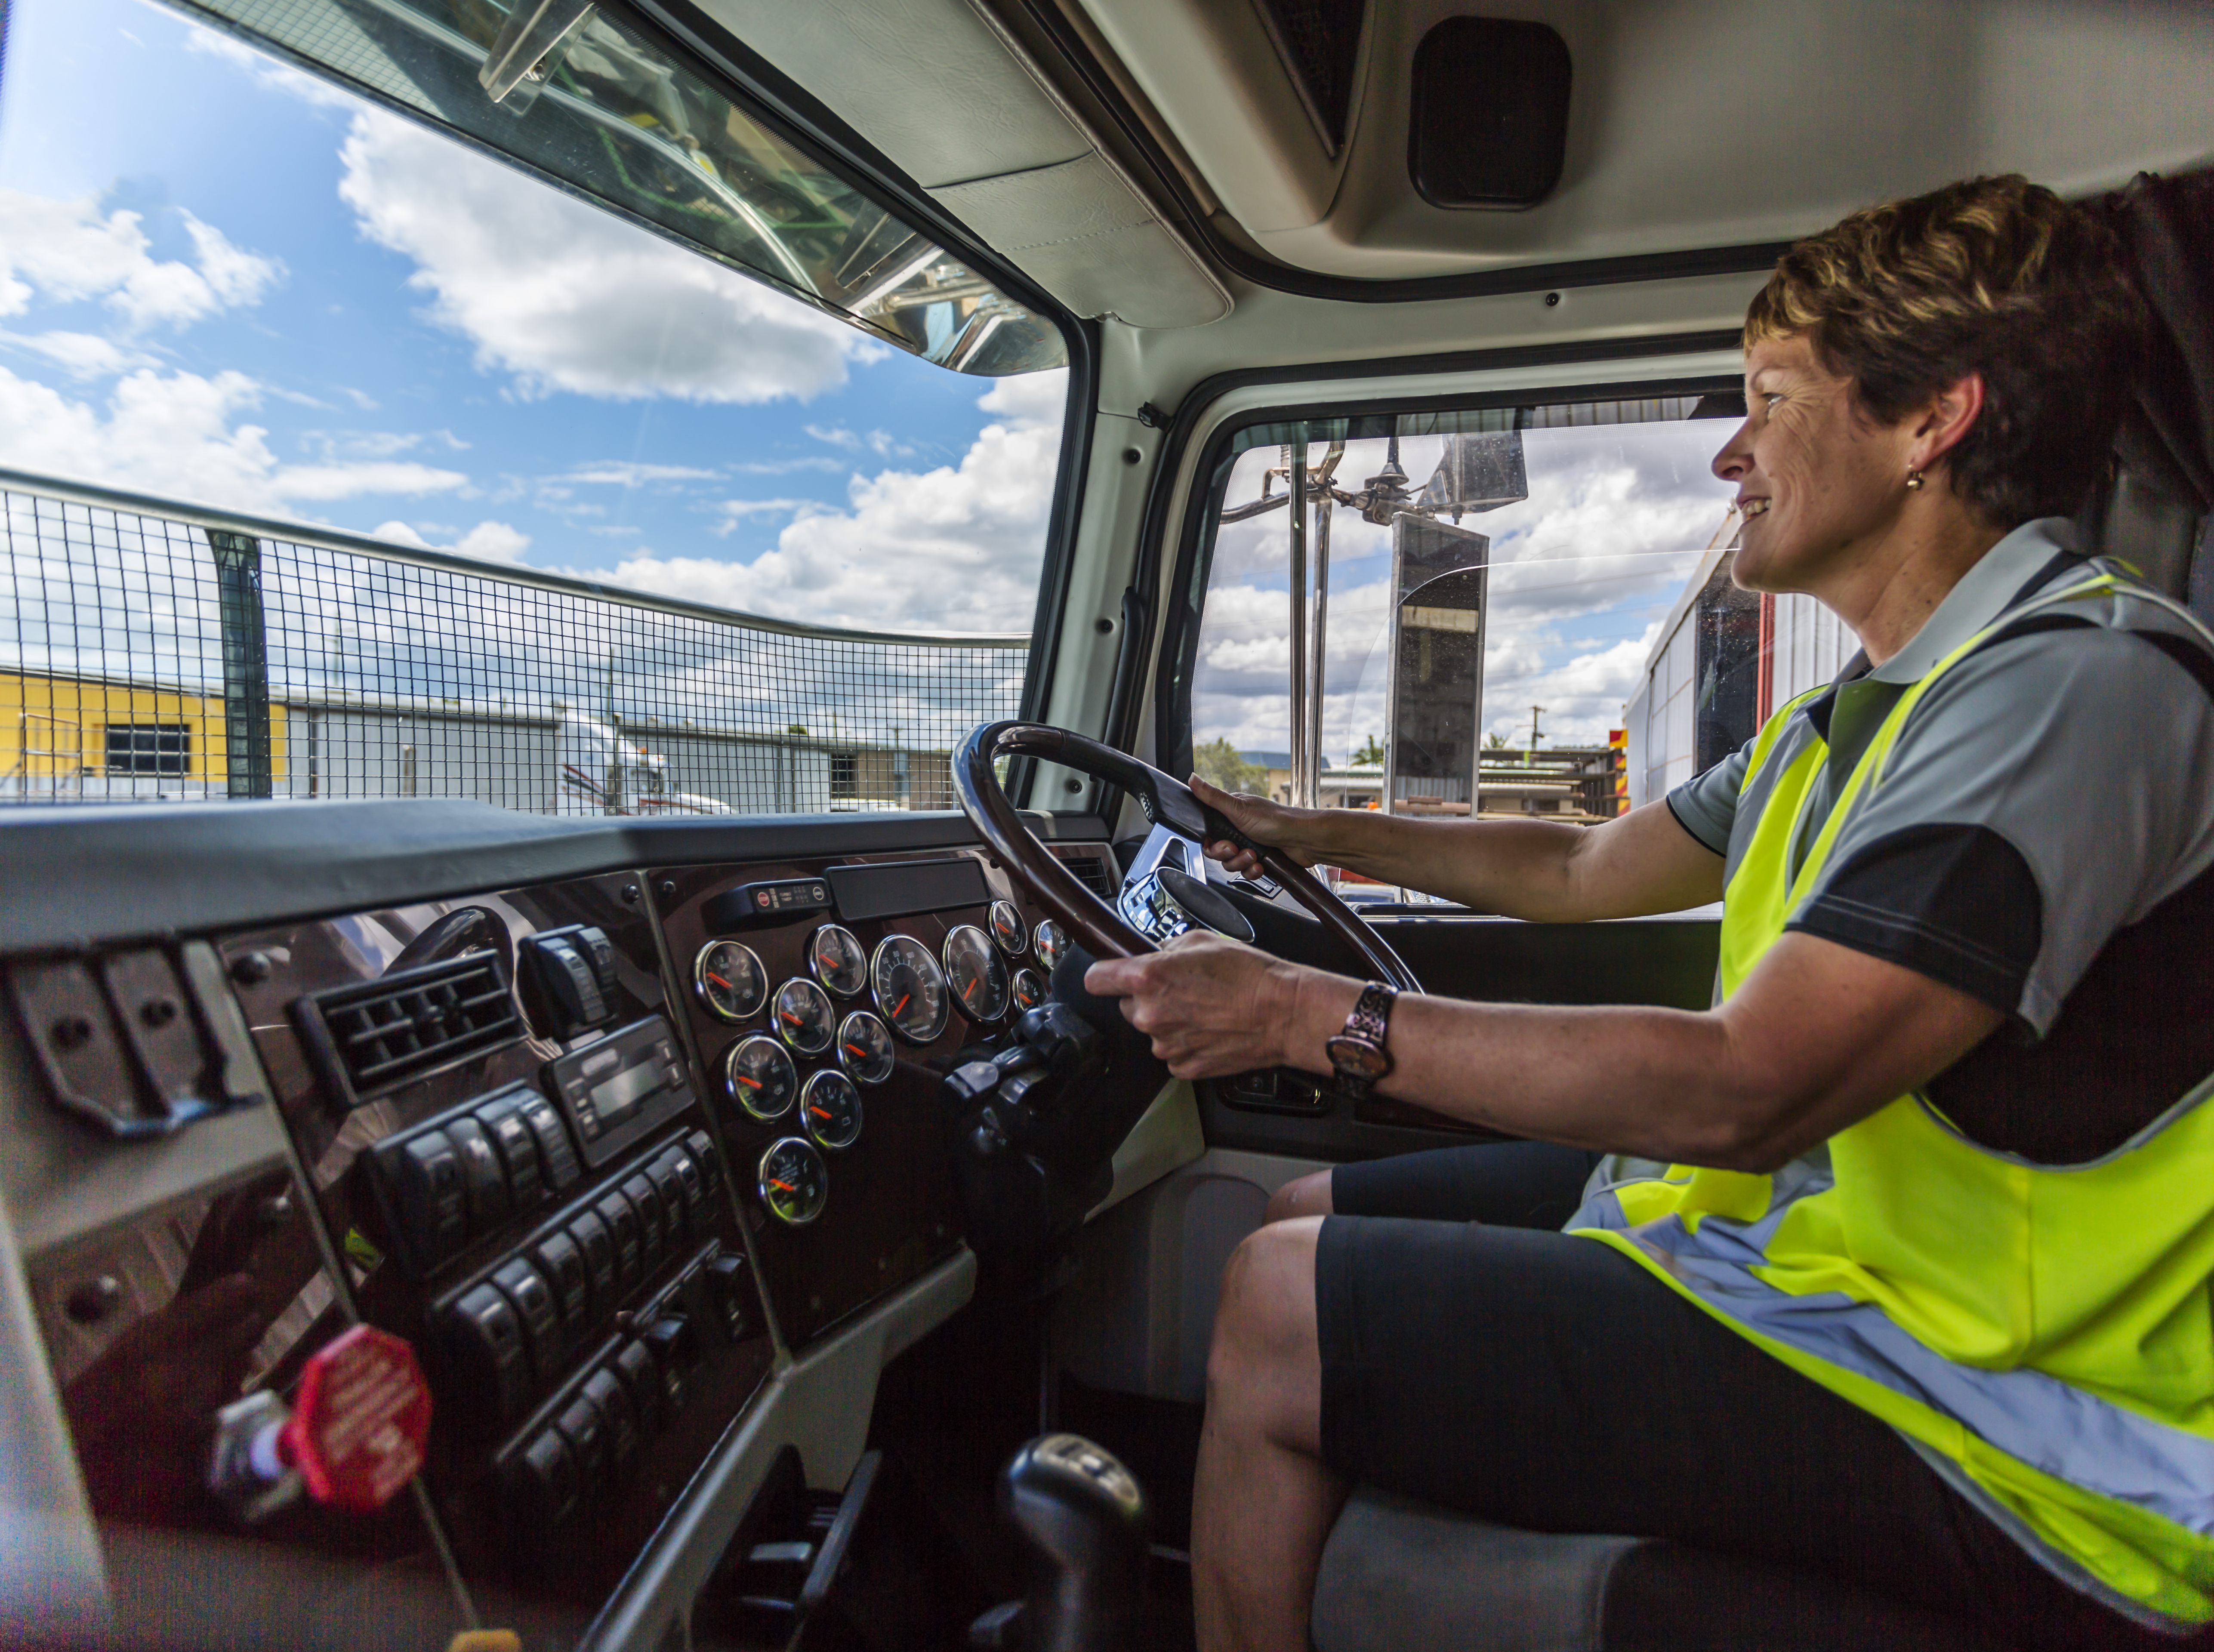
(78, 876)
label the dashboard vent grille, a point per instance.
(386, 1031)
(1092, 872)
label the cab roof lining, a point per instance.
(143, 871)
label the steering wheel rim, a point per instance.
(1168, 803)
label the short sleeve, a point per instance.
(2048, 790)
(1706, 804)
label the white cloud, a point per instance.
(490, 541)
(737, 510)
(81, 355)
(68, 252)
(566, 297)
(952, 549)
(615, 472)
(177, 435)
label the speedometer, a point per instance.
(978, 974)
(909, 990)
(793, 1181)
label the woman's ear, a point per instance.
(1945, 420)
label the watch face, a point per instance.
(1360, 1060)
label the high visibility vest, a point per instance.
(2041, 1334)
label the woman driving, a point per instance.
(1898, 1271)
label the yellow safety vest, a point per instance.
(2042, 1334)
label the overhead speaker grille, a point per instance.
(1489, 126)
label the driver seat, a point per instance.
(1398, 1573)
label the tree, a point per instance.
(1371, 753)
(1218, 764)
(1494, 742)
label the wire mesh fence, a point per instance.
(159, 651)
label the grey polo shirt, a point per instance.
(2048, 807)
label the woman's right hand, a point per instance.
(1272, 825)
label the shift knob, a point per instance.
(1084, 1517)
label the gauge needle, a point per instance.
(819, 1112)
(789, 1016)
(751, 1084)
(856, 1051)
(785, 1187)
(718, 981)
(901, 1005)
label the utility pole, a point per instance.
(1530, 755)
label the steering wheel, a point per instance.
(1178, 817)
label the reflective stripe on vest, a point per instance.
(2042, 1334)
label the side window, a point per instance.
(573, 441)
(1518, 611)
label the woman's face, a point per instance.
(1819, 481)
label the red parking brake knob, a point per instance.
(359, 1421)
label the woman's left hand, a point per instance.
(1210, 1005)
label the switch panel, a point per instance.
(571, 976)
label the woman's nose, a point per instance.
(1736, 457)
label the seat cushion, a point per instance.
(1399, 1575)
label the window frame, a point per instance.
(1182, 582)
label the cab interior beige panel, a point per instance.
(1692, 123)
(948, 97)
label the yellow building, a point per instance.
(88, 737)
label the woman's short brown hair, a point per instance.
(1996, 275)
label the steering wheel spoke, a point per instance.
(1181, 824)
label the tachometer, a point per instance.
(831, 1109)
(1009, 929)
(865, 1048)
(838, 961)
(729, 980)
(804, 1016)
(760, 1076)
(794, 1183)
(1052, 941)
(1030, 989)
(978, 976)
(909, 989)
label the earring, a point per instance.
(1913, 481)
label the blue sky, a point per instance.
(222, 280)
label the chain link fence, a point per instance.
(160, 651)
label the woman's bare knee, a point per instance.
(1308, 1196)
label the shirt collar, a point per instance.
(1985, 592)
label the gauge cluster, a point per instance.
(826, 1032)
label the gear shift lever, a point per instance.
(1084, 1518)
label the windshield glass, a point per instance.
(346, 459)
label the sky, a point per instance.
(225, 281)
(1584, 572)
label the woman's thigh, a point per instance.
(1502, 1184)
(1547, 1382)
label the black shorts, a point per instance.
(1549, 1383)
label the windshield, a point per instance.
(347, 459)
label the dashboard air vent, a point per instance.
(1092, 872)
(385, 1032)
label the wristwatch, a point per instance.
(1358, 1052)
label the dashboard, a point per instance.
(603, 1149)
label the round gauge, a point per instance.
(1030, 989)
(760, 1076)
(794, 1183)
(1009, 929)
(838, 961)
(729, 980)
(865, 1048)
(979, 979)
(909, 989)
(1051, 941)
(804, 1016)
(831, 1108)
